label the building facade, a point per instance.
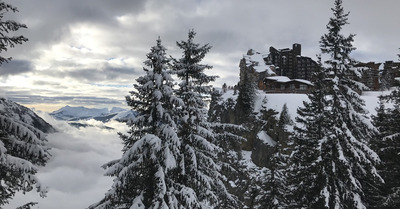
(390, 73)
(370, 75)
(290, 63)
(283, 84)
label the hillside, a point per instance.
(24, 115)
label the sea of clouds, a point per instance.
(74, 175)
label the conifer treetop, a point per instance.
(335, 43)
(188, 68)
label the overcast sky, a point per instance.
(88, 53)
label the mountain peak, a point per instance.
(69, 113)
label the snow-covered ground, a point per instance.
(74, 176)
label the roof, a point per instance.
(284, 79)
(279, 79)
(304, 81)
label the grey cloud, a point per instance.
(26, 98)
(231, 27)
(46, 83)
(15, 67)
(49, 21)
(106, 74)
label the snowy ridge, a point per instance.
(73, 113)
(69, 113)
(23, 148)
(24, 115)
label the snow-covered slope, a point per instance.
(16, 112)
(69, 113)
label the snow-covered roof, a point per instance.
(284, 79)
(304, 81)
(279, 79)
(256, 60)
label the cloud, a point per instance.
(72, 100)
(15, 67)
(106, 73)
(105, 43)
(74, 174)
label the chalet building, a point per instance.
(283, 84)
(269, 71)
(290, 63)
(391, 71)
(255, 65)
(370, 75)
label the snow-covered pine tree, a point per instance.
(146, 175)
(306, 176)
(23, 148)
(226, 136)
(274, 194)
(9, 26)
(246, 97)
(387, 145)
(201, 180)
(346, 160)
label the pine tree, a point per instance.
(246, 97)
(6, 27)
(343, 157)
(226, 137)
(146, 174)
(275, 186)
(200, 172)
(387, 144)
(306, 177)
(23, 148)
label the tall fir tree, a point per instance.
(246, 97)
(275, 190)
(335, 131)
(200, 171)
(306, 177)
(146, 175)
(346, 160)
(387, 144)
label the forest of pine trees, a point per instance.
(179, 155)
(182, 153)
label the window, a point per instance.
(303, 87)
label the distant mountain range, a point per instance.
(72, 114)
